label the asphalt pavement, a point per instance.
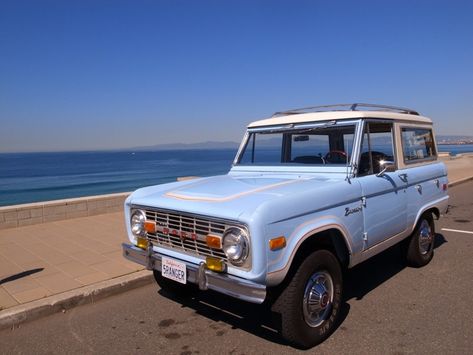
(389, 308)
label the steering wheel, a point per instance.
(336, 156)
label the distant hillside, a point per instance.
(189, 146)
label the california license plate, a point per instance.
(174, 270)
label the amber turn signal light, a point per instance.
(215, 264)
(277, 243)
(141, 243)
(150, 227)
(213, 241)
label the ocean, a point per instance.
(456, 149)
(35, 177)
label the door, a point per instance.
(384, 195)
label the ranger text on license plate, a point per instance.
(174, 270)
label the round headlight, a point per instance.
(137, 224)
(235, 245)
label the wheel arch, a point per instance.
(434, 211)
(435, 208)
(331, 237)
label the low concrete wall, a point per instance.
(41, 212)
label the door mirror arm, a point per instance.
(386, 166)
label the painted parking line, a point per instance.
(456, 231)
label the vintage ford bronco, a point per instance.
(311, 192)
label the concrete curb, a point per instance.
(14, 316)
(461, 181)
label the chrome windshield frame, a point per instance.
(301, 126)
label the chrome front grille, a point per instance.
(184, 232)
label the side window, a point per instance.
(377, 145)
(417, 144)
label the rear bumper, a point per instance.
(199, 274)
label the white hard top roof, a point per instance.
(302, 116)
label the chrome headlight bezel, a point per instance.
(236, 245)
(137, 223)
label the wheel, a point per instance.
(420, 245)
(174, 287)
(310, 303)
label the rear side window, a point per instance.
(418, 144)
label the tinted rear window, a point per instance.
(417, 144)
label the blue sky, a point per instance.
(83, 75)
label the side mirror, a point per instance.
(386, 166)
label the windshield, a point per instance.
(322, 145)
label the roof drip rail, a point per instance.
(346, 107)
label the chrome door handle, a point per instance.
(419, 189)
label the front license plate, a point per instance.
(174, 270)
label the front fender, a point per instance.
(280, 261)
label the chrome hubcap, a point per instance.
(318, 298)
(426, 237)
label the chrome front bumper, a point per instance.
(199, 274)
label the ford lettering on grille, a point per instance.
(186, 233)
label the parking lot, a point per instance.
(389, 308)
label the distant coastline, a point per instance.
(454, 140)
(441, 140)
(456, 143)
(187, 146)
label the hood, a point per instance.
(227, 188)
(226, 196)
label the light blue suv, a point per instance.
(311, 192)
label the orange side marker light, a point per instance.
(277, 243)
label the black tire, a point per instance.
(420, 245)
(306, 324)
(173, 287)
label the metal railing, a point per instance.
(347, 107)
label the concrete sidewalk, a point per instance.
(52, 265)
(459, 168)
(47, 259)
